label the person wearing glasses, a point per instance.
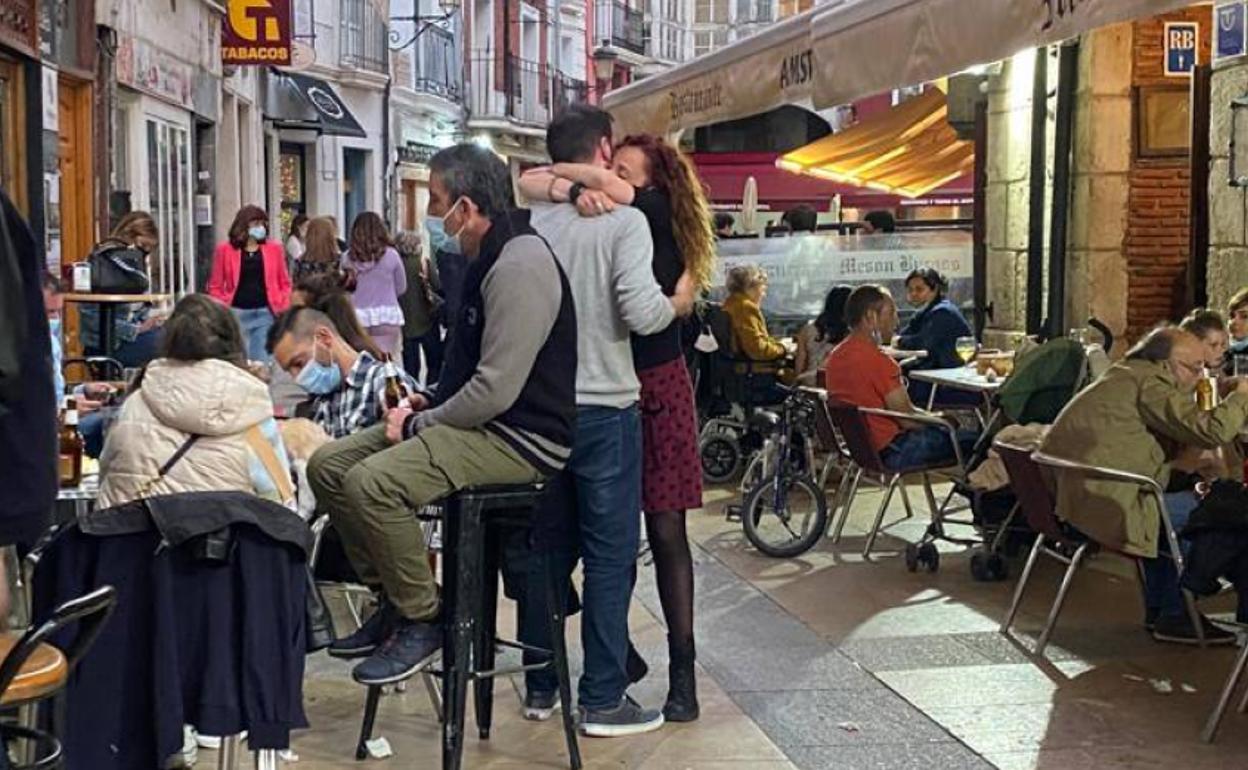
(1142, 417)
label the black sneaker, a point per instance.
(365, 640)
(1150, 618)
(1178, 630)
(628, 718)
(404, 652)
(540, 706)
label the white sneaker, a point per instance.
(188, 755)
(213, 742)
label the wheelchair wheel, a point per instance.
(721, 459)
(785, 524)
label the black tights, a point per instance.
(673, 568)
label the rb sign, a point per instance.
(256, 32)
(1182, 39)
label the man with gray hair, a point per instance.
(1141, 416)
(503, 412)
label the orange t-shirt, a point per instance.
(859, 373)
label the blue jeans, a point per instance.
(255, 323)
(1161, 580)
(91, 428)
(606, 471)
(926, 447)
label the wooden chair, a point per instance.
(34, 671)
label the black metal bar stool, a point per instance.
(474, 524)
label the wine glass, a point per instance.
(966, 347)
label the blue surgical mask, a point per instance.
(439, 238)
(54, 326)
(258, 232)
(319, 379)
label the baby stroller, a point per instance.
(1044, 380)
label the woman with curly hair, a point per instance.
(653, 176)
(379, 281)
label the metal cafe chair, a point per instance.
(1228, 690)
(1058, 541)
(851, 422)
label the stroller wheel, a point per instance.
(721, 459)
(989, 567)
(912, 557)
(929, 556)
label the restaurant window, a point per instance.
(169, 201)
(292, 179)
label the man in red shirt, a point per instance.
(859, 373)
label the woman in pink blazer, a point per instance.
(249, 276)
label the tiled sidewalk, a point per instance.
(829, 662)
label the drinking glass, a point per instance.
(1239, 365)
(965, 347)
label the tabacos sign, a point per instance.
(256, 32)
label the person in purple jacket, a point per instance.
(379, 281)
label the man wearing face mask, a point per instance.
(503, 412)
(858, 372)
(347, 385)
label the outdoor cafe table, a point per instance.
(73, 502)
(964, 378)
(107, 304)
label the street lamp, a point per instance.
(422, 22)
(604, 64)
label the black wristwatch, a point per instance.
(575, 191)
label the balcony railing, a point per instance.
(435, 68)
(619, 25)
(520, 90)
(363, 36)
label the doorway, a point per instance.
(74, 159)
(354, 185)
(13, 133)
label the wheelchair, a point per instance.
(731, 392)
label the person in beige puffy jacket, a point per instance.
(199, 386)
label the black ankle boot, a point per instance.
(635, 665)
(682, 694)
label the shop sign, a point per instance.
(416, 153)
(144, 67)
(1229, 40)
(1182, 38)
(256, 32)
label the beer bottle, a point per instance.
(394, 394)
(1206, 392)
(70, 459)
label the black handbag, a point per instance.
(118, 270)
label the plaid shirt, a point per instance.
(358, 403)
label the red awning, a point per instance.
(724, 174)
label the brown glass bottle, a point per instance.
(1206, 392)
(394, 394)
(70, 461)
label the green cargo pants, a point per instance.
(372, 488)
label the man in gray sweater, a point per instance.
(607, 259)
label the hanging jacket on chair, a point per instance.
(1044, 380)
(217, 643)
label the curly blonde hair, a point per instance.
(674, 175)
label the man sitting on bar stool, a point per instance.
(503, 413)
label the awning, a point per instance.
(770, 69)
(868, 46)
(298, 101)
(724, 176)
(909, 150)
